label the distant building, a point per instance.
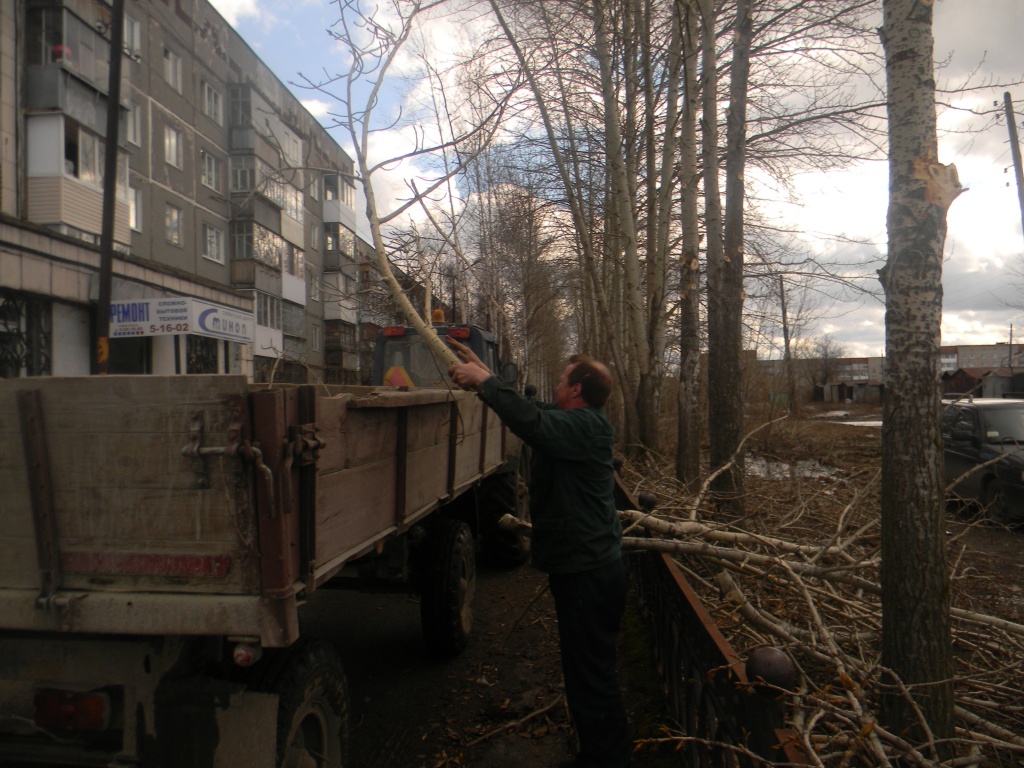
(234, 228)
(986, 356)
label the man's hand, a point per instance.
(469, 375)
(465, 354)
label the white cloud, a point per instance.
(233, 10)
(318, 108)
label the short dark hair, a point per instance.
(593, 377)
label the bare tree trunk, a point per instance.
(661, 185)
(689, 432)
(787, 354)
(621, 210)
(916, 645)
(725, 289)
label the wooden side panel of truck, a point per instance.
(190, 505)
(158, 535)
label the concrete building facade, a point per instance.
(234, 225)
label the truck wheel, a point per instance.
(447, 585)
(995, 503)
(505, 494)
(312, 712)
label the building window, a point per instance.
(316, 338)
(252, 241)
(293, 260)
(243, 170)
(132, 36)
(213, 243)
(172, 219)
(347, 335)
(135, 208)
(24, 335)
(133, 123)
(314, 285)
(91, 149)
(84, 158)
(339, 238)
(211, 171)
(172, 69)
(213, 104)
(201, 354)
(241, 106)
(268, 310)
(314, 185)
(331, 187)
(172, 146)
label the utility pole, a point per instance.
(1011, 124)
(109, 189)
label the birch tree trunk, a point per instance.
(725, 284)
(689, 432)
(916, 644)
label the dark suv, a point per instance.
(983, 440)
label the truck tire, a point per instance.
(447, 586)
(313, 706)
(505, 494)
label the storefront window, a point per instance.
(24, 335)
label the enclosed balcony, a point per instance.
(65, 178)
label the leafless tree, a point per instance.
(916, 639)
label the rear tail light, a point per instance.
(459, 333)
(394, 330)
(72, 711)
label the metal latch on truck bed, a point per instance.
(303, 447)
(236, 446)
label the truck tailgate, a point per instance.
(98, 496)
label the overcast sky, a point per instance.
(984, 247)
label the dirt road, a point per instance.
(411, 712)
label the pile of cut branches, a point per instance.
(801, 574)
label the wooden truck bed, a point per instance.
(201, 505)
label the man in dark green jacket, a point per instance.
(577, 536)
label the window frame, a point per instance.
(173, 149)
(216, 112)
(172, 232)
(135, 208)
(132, 35)
(218, 238)
(172, 69)
(315, 290)
(211, 165)
(133, 123)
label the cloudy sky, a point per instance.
(984, 296)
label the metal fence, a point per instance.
(723, 718)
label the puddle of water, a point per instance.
(780, 470)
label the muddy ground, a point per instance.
(499, 705)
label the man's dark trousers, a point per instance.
(589, 606)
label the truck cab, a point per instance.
(402, 359)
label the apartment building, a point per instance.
(234, 226)
(1001, 355)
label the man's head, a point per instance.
(585, 382)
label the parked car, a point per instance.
(983, 441)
